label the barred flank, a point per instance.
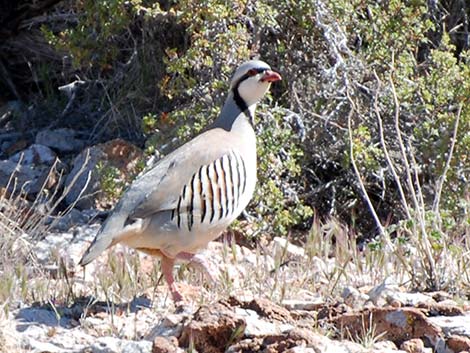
(213, 192)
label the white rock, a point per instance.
(448, 302)
(83, 180)
(170, 325)
(453, 325)
(36, 346)
(385, 346)
(247, 256)
(26, 177)
(96, 325)
(9, 341)
(409, 299)
(323, 344)
(31, 330)
(319, 265)
(35, 154)
(440, 346)
(379, 292)
(71, 339)
(255, 326)
(72, 218)
(349, 291)
(86, 233)
(389, 292)
(58, 239)
(301, 349)
(171, 320)
(294, 304)
(116, 345)
(65, 140)
(353, 297)
(53, 242)
(281, 245)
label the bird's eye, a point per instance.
(252, 72)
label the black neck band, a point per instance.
(241, 102)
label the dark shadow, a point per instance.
(67, 316)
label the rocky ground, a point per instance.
(383, 318)
(272, 298)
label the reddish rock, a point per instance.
(212, 329)
(440, 296)
(458, 343)
(17, 147)
(331, 311)
(84, 181)
(247, 346)
(220, 327)
(268, 309)
(397, 325)
(279, 343)
(302, 336)
(442, 309)
(121, 154)
(165, 345)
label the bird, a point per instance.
(191, 195)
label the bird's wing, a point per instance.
(160, 188)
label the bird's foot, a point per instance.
(176, 295)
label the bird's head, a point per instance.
(251, 81)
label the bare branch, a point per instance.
(442, 178)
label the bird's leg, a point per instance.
(200, 261)
(167, 270)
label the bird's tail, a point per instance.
(106, 237)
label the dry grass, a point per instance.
(331, 261)
(23, 224)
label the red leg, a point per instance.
(167, 270)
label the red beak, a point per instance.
(271, 76)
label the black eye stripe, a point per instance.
(249, 74)
(236, 95)
(255, 71)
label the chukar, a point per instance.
(195, 192)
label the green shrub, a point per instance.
(219, 42)
(165, 73)
(96, 41)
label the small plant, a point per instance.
(111, 182)
(368, 336)
(236, 335)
